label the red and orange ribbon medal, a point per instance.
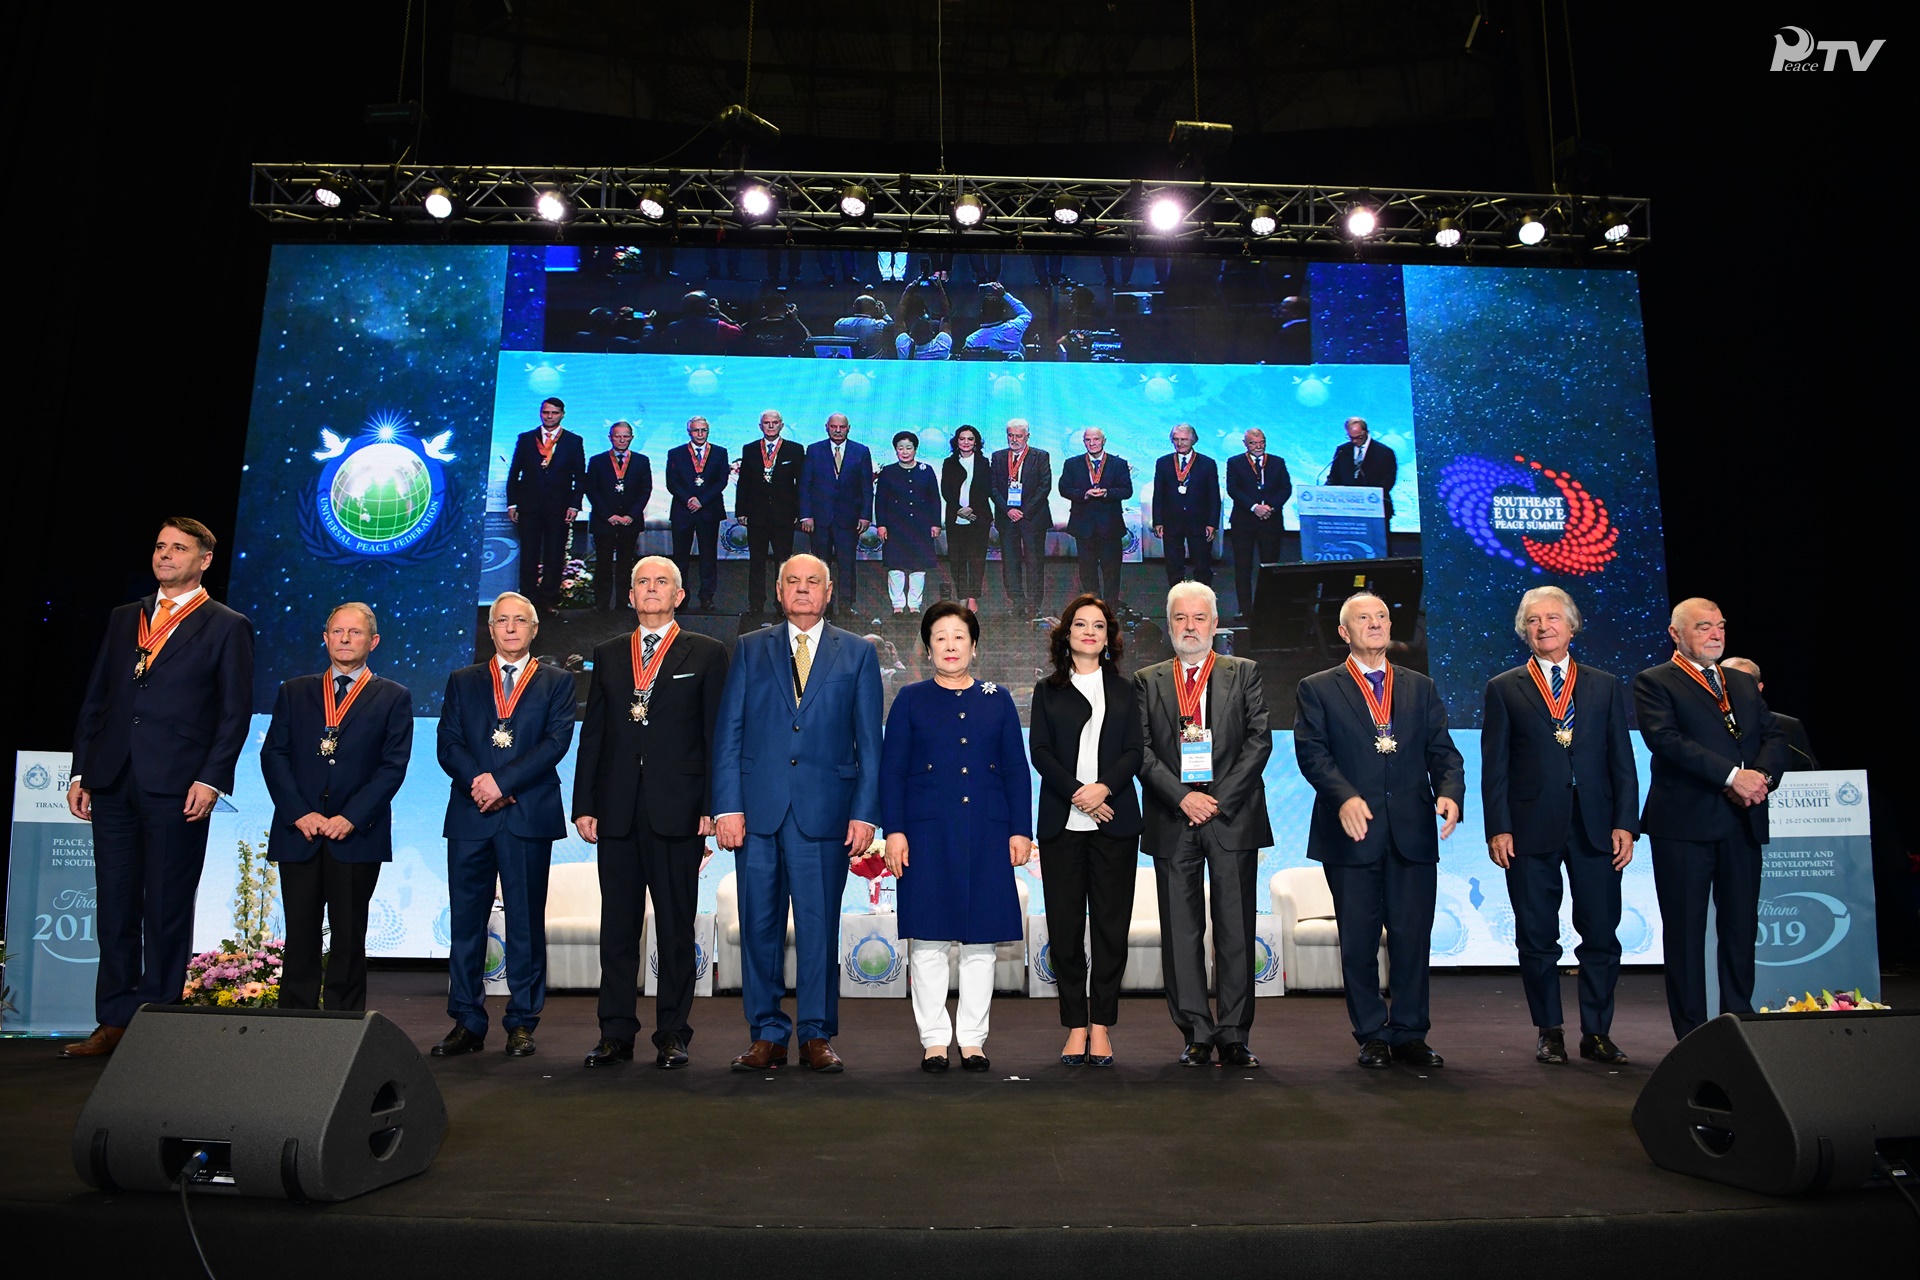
(1095, 468)
(1189, 696)
(149, 640)
(1381, 707)
(645, 673)
(1720, 699)
(335, 711)
(1557, 707)
(503, 705)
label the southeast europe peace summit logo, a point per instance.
(1503, 507)
(384, 494)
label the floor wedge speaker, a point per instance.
(1784, 1103)
(260, 1102)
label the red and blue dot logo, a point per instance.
(1510, 515)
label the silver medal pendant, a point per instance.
(620, 487)
(1183, 488)
(1563, 736)
(328, 745)
(502, 736)
(1385, 744)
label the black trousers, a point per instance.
(708, 532)
(1089, 884)
(1686, 873)
(1188, 544)
(1023, 565)
(1100, 565)
(147, 859)
(342, 890)
(1253, 545)
(769, 540)
(614, 548)
(1181, 881)
(967, 557)
(543, 554)
(1533, 886)
(630, 865)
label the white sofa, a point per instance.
(573, 926)
(1309, 934)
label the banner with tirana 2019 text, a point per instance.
(52, 935)
(1817, 920)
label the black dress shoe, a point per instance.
(520, 1042)
(934, 1066)
(1414, 1053)
(608, 1052)
(975, 1062)
(1075, 1059)
(1196, 1054)
(672, 1055)
(1601, 1049)
(1237, 1055)
(1376, 1054)
(1099, 1059)
(1553, 1047)
(458, 1041)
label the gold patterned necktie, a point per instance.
(802, 665)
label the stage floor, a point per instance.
(1309, 1158)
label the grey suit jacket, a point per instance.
(1236, 711)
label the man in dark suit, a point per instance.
(1022, 483)
(1186, 507)
(1560, 788)
(1798, 745)
(335, 756)
(1258, 484)
(1371, 738)
(1204, 718)
(643, 792)
(836, 502)
(160, 729)
(796, 789)
(1365, 462)
(1098, 484)
(766, 501)
(1717, 755)
(545, 481)
(697, 482)
(619, 482)
(504, 726)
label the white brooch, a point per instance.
(989, 688)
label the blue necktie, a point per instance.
(506, 680)
(340, 686)
(1559, 686)
(1713, 682)
(646, 648)
(1378, 679)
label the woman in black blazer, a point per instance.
(965, 485)
(1086, 746)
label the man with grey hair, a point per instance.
(1186, 507)
(505, 725)
(1371, 737)
(1558, 782)
(1365, 462)
(642, 793)
(1792, 726)
(1098, 484)
(1204, 718)
(1717, 755)
(1022, 482)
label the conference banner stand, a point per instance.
(873, 961)
(1341, 522)
(51, 930)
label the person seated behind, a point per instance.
(867, 327)
(1003, 324)
(777, 330)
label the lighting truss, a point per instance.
(1017, 213)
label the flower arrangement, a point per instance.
(254, 894)
(235, 976)
(1827, 1002)
(576, 580)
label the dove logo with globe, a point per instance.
(384, 491)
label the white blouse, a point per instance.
(1086, 768)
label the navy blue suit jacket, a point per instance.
(187, 720)
(819, 760)
(843, 500)
(1096, 517)
(553, 488)
(1333, 741)
(1199, 506)
(542, 727)
(680, 483)
(1693, 753)
(1379, 468)
(777, 500)
(1249, 489)
(1527, 778)
(600, 491)
(357, 782)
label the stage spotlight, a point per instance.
(1164, 214)
(653, 204)
(1362, 221)
(756, 202)
(1264, 221)
(1066, 211)
(854, 202)
(439, 203)
(331, 191)
(968, 211)
(552, 205)
(1531, 230)
(1446, 234)
(1614, 228)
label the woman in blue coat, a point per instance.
(956, 801)
(906, 516)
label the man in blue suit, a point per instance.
(836, 502)
(1098, 484)
(160, 730)
(335, 756)
(697, 479)
(1372, 740)
(504, 726)
(796, 768)
(1259, 486)
(1560, 787)
(1186, 507)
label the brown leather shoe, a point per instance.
(819, 1055)
(762, 1055)
(102, 1042)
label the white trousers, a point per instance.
(927, 970)
(893, 266)
(906, 590)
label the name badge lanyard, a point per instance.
(334, 711)
(1557, 707)
(1381, 707)
(503, 705)
(1196, 743)
(645, 673)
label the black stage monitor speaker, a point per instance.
(284, 1103)
(1784, 1103)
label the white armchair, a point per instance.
(573, 926)
(1309, 934)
